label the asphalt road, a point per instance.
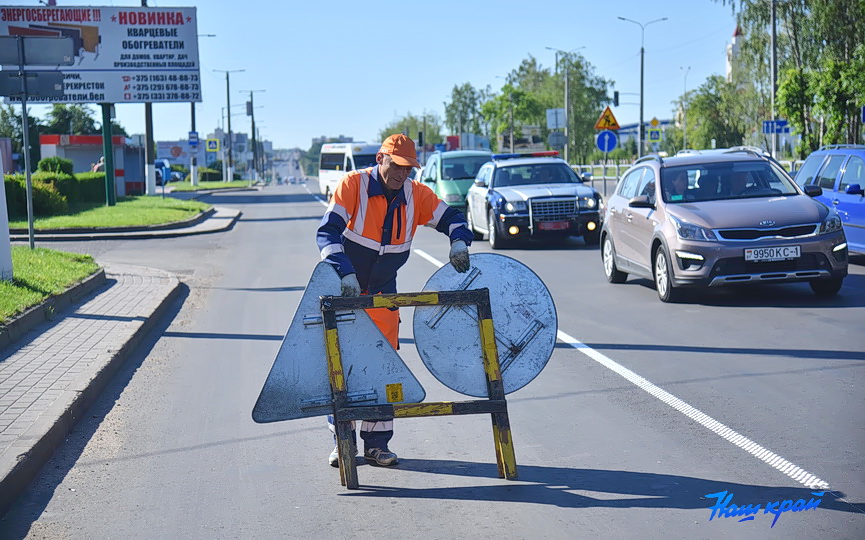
(609, 439)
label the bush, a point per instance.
(91, 187)
(209, 175)
(47, 200)
(55, 164)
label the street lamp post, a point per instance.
(251, 113)
(641, 129)
(193, 154)
(567, 77)
(685, 109)
(230, 168)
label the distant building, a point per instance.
(733, 53)
(323, 139)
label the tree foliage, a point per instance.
(411, 125)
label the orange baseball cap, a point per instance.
(401, 149)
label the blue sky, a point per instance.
(338, 67)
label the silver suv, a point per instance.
(707, 219)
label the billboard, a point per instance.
(122, 54)
(179, 152)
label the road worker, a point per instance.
(366, 235)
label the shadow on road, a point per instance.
(556, 486)
(798, 295)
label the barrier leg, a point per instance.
(504, 444)
(347, 466)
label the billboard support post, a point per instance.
(25, 126)
(108, 152)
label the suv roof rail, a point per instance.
(648, 157)
(839, 146)
(754, 150)
(687, 152)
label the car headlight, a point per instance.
(587, 202)
(832, 223)
(453, 197)
(516, 206)
(689, 231)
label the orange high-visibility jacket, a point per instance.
(361, 233)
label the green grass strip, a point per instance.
(186, 186)
(38, 274)
(128, 212)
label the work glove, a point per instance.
(350, 286)
(460, 256)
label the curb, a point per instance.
(132, 228)
(129, 234)
(20, 325)
(64, 413)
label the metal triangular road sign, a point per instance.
(298, 385)
(607, 120)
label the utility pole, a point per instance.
(193, 152)
(774, 83)
(641, 130)
(250, 111)
(567, 71)
(230, 167)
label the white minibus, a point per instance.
(339, 158)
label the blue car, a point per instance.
(839, 169)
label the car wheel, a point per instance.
(826, 287)
(608, 253)
(475, 234)
(592, 238)
(664, 277)
(495, 241)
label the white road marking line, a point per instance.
(767, 456)
(317, 197)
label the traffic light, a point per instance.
(615, 98)
(420, 138)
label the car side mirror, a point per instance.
(641, 201)
(812, 190)
(480, 183)
(854, 189)
(586, 176)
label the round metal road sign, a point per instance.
(524, 317)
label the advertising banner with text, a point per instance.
(123, 55)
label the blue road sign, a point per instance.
(775, 126)
(193, 138)
(607, 140)
(863, 114)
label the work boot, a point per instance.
(333, 460)
(380, 456)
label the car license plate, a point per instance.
(552, 225)
(779, 253)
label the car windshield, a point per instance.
(535, 173)
(463, 167)
(362, 161)
(715, 181)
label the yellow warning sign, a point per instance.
(607, 120)
(654, 121)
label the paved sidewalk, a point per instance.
(51, 375)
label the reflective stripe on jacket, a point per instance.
(361, 233)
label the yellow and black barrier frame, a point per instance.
(344, 414)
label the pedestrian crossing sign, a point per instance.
(607, 120)
(212, 145)
(654, 135)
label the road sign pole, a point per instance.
(193, 152)
(25, 125)
(605, 174)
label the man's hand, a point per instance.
(460, 256)
(350, 286)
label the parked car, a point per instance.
(839, 170)
(736, 217)
(522, 196)
(450, 174)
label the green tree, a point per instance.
(10, 126)
(70, 119)
(463, 111)
(510, 109)
(713, 113)
(411, 125)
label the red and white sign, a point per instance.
(122, 55)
